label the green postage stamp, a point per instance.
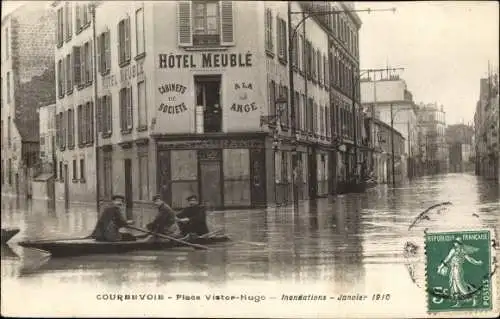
(458, 271)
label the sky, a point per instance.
(443, 46)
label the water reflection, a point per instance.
(337, 241)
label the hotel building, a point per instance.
(188, 101)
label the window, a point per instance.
(82, 170)
(61, 176)
(142, 108)
(272, 97)
(321, 121)
(139, 31)
(124, 41)
(303, 113)
(283, 92)
(10, 171)
(105, 115)
(326, 71)
(71, 128)
(103, 53)
(8, 87)
(75, 171)
(7, 44)
(143, 176)
(300, 49)
(205, 23)
(269, 31)
(309, 115)
(87, 68)
(297, 101)
(313, 65)
(79, 116)
(68, 21)
(282, 39)
(83, 16)
(77, 71)
(319, 66)
(69, 74)
(60, 27)
(89, 122)
(126, 110)
(308, 59)
(60, 78)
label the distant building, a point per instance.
(382, 156)
(432, 138)
(487, 126)
(377, 96)
(27, 81)
(459, 141)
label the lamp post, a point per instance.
(292, 33)
(96, 117)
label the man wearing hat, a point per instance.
(108, 227)
(166, 221)
(193, 219)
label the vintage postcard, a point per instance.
(250, 159)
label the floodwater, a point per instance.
(350, 244)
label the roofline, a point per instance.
(377, 121)
(354, 16)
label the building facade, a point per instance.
(459, 140)
(432, 138)
(27, 81)
(486, 129)
(378, 97)
(195, 109)
(382, 155)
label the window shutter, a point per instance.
(78, 18)
(76, 65)
(127, 39)
(100, 49)
(90, 65)
(92, 122)
(130, 117)
(82, 65)
(109, 113)
(100, 104)
(107, 51)
(184, 24)
(226, 23)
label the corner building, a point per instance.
(188, 103)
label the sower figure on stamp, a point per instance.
(165, 221)
(111, 224)
(193, 219)
(459, 287)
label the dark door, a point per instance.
(17, 184)
(66, 186)
(313, 178)
(210, 183)
(258, 174)
(128, 187)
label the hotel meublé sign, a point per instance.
(204, 60)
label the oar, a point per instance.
(211, 233)
(168, 237)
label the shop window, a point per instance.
(236, 177)
(208, 95)
(75, 171)
(184, 175)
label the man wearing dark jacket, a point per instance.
(165, 221)
(193, 219)
(109, 224)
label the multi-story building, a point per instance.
(385, 152)
(378, 97)
(487, 129)
(459, 140)
(27, 81)
(197, 108)
(432, 138)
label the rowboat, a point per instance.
(89, 246)
(8, 233)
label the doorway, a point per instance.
(208, 95)
(313, 178)
(128, 188)
(66, 186)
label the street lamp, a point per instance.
(292, 33)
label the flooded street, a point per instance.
(350, 244)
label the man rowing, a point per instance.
(193, 219)
(111, 224)
(165, 221)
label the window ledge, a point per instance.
(106, 134)
(59, 45)
(70, 91)
(270, 54)
(75, 181)
(124, 63)
(80, 87)
(282, 60)
(140, 56)
(71, 147)
(89, 144)
(216, 47)
(62, 148)
(82, 181)
(126, 131)
(142, 128)
(104, 73)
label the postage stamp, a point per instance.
(458, 273)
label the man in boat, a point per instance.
(165, 221)
(193, 219)
(110, 225)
